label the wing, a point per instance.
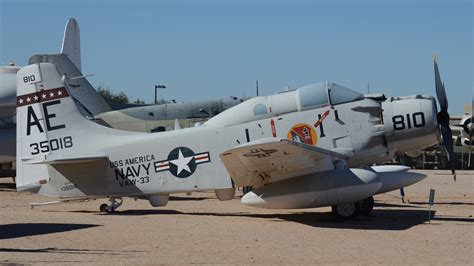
(271, 160)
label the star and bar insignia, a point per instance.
(182, 162)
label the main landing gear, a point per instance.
(363, 207)
(114, 204)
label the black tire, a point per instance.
(365, 206)
(103, 208)
(344, 211)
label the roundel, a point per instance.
(303, 133)
(182, 162)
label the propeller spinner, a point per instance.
(443, 118)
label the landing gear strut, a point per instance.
(114, 204)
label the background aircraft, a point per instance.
(156, 118)
(463, 134)
(298, 148)
(7, 119)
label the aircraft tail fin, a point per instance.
(71, 46)
(81, 89)
(51, 129)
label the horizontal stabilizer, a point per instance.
(72, 160)
(270, 160)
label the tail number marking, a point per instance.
(417, 119)
(51, 145)
(29, 79)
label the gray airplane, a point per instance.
(299, 149)
(169, 116)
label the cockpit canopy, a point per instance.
(304, 98)
(322, 94)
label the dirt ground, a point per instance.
(201, 229)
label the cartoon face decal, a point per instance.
(303, 133)
(182, 162)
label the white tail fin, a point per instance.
(50, 127)
(72, 43)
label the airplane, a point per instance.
(304, 148)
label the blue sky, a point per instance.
(211, 49)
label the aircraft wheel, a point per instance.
(365, 206)
(344, 211)
(103, 207)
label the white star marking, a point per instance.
(20, 101)
(36, 98)
(28, 99)
(60, 93)
(43, 96)
(182, 163)
(51, 95)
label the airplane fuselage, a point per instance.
(188, 159)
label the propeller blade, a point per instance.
(443, 118)
(440, 91)
(447, 135)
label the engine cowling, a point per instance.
(410, 123)
(317, 190)
(159, 200)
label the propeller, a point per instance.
(443, 118)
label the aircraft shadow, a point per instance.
(382, 219)
(144, 212)
(8, 231)
(67, 251)
(178, 198)
(7, 187)
(443, 203)
(393, 205)
(454, 219)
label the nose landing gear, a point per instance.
(114, 204)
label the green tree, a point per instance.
(138, 101)
(119, 97)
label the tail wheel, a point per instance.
(365, 206)
(344, 211)
(103, 207)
